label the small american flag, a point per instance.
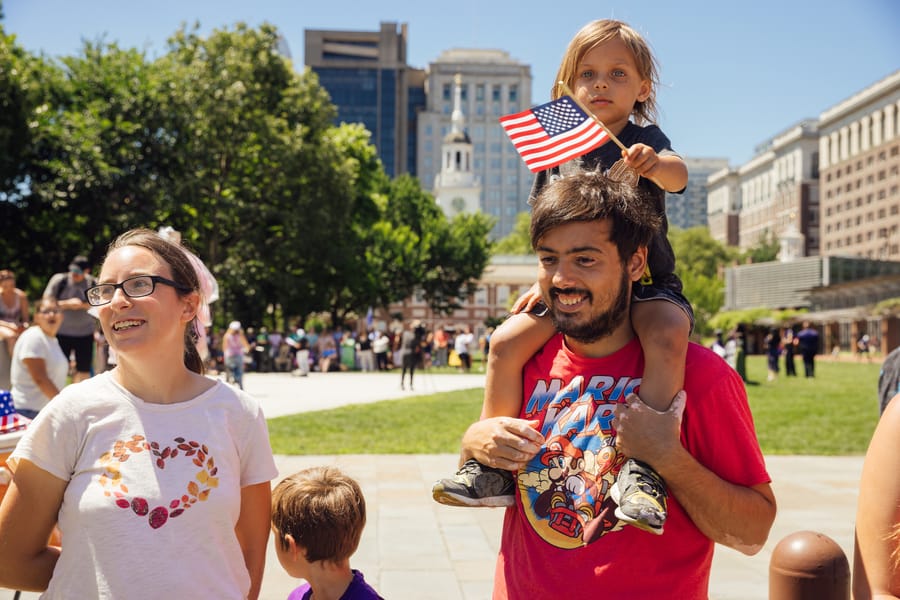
(10, 420)
(552, 133)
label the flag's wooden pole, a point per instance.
(587, 111)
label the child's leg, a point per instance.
(512, 345)
(663, 329)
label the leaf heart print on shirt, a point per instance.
(196, 490)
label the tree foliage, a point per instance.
(519, 239)
(221, 139)
(699, 263)
(765, 250)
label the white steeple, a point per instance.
(456, 188)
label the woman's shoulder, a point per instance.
(90, 387)
(235, 398)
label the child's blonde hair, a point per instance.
(323, 510)
(599, 32)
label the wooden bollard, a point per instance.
(807, 565)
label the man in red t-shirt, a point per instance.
(580, 418)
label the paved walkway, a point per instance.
(416, 549)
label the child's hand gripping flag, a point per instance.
(553, 133)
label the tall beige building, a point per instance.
(859, 150)
(773, 194)
(834, 180)
(723, 206)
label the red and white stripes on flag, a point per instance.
(553, 133)
(10, 420)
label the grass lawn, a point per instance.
(834, 413)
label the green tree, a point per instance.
(233, 115)
(458, 257)
(452, 255)
(699, 263)
(519, 239)
(21, 92)
(93, 133)
(765, 250)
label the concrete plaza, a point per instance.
(416, 549)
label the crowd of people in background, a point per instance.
(405, 346)
(780, 345)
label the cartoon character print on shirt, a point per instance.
(196, 490)
(565, 488)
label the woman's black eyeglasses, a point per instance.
(134, 287)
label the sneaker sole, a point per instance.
(450, 499)
(616, 494)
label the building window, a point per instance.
(514, 93)
(479, 92)
(502, 295)
(495, 93)
(447, 92)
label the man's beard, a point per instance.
(597, 327)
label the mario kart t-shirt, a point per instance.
(562, 538)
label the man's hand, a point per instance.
(502, 442)
(646, 434)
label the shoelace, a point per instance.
(469, 468)
(648, 485)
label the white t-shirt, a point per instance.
(462, 342)
(34, 343)
(153, 491)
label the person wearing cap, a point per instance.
(77, 331)
(234, 347)
(39, 367)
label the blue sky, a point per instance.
(734, 73)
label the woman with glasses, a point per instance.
(158, 476)
(39, 367)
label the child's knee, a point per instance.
(669, 335)
(502, 341)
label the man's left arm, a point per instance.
(736, 516)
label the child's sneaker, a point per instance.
(641, 495)
(476, 484)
